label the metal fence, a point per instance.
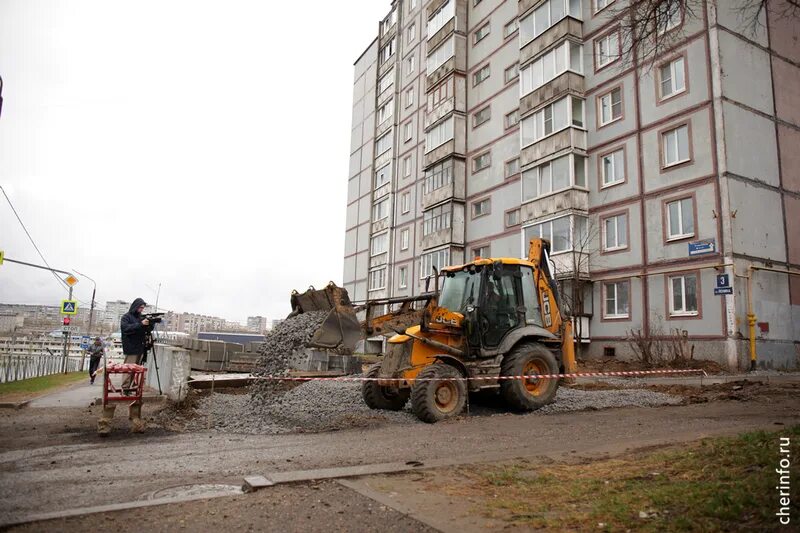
(17, 367)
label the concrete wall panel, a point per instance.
(745, 73)
(758, 226)
(751, 146)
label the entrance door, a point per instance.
(501, 304)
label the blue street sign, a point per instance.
(85, 342)
(708, 246)
(723, 281)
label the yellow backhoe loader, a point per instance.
(492, 318)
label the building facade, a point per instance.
(478, 124)
(259, 324)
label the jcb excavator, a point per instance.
(493, 318)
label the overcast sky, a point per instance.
(198, 144)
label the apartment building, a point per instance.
(667, 185)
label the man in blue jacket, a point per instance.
(133, 328)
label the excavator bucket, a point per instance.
(340, 330)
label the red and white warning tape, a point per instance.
(630, 373)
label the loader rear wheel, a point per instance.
(379, 397)
(444, 398)
(524, 360)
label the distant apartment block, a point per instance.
(257, 323)
(478, 124)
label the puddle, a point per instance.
(198, 490)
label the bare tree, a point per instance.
(651, 28)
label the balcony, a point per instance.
(455, 146)
(380, 225)
(566, 139)
(443, 33)
(567, 264)
(378, 260)
(568, 82)
(552, 204)
(567, 26)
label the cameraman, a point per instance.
(134, 329)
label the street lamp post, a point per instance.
(91, 311)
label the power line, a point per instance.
(60, 281)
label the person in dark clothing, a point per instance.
(96, 352)
(132, 326)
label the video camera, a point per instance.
(154, 318)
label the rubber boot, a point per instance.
(104, 423)
(135, 415)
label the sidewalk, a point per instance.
(82, 395)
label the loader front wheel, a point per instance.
(527, 359)
(438, 393)
(379, 397)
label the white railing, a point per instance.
(17, 367)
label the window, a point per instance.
(612, 167)
(410, 97)
(512, 119)
(379, 244)
(377, 279)
(404, 236)
(388, 22)
(407, 166)
(545, 16)
(402, 277)
(436, 219)
(675, 145)
(480, 75)
(512, 218)
(411, 33)
(438, 259)
(683, 295)
(561, 232)
(551, 119)
(482, 161)
(410, 65)
(440, 93)
(510, 27)
(383, 143)
(380, 210)
(617, 299)
(672, 78)
(408, 130)
(564, 57)
(615, 232)
(601, 4)
(610, 105)
(441, 17)
(439, 134)
(481, 116)
(405, 203)
(607, 49)
(554, 176)
(668, 15)
(481, 207)
(511, 73)
(383, 175)
(512, 167)
(386, 81)
(680, 219)
(385, 111)
(440, 55)
(386, 52)
(481, 33)
(483, 252)
(437, 177)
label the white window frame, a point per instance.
(386, 111)
(541, 174)
(387, 139)
(411, 33)
(439, 134)
(617, 167)
(409, 97)
(681, 279)
(611, 228)
(511, 119)
(377, 279)
(674, 16)
(606, 49)
(510, 27)
(383, 175)
(478, 211)
(618, 309)
(380, 209)
(387, 51)
(402, 277)
(682, 204)
(476, 252)
(547, 232)
(511, 167)
(606, 102)
(410, 65)
(482, 161)
(440, 55)
(408, 130)
(599, 5)
(407, 166)
(515, 71)
(405, 203)
(438, 176)
(533, 128)
(677, 71)
(482, 116)
(386, 81)
(437, 219)
(550, 66)
(516, 222)
(442, 16)
(529, 29)
(439, 258)
(478, 36)
(674, 151)
(404, 239)
(478, 77)
(379, 244)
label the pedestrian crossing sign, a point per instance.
(69, 307)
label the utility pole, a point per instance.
(91, 313)
(67, 335)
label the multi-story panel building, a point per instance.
(478, 124)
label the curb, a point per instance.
(14, 405)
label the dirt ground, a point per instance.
(45, 448)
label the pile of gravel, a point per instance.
(579, 400)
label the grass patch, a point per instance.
(715, 484)
(37, 385)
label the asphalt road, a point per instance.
(50, 459)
